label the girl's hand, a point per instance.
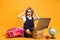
(28, 31)
(24, 11)
(34, 12)
(36, 16)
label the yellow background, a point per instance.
(10, 9)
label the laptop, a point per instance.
(43, 23)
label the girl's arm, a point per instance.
(36, 16)
(20, 15)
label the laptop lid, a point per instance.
(43, 23)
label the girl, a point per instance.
(28, 21)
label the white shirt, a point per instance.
(24, 18)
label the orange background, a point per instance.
(10, 9)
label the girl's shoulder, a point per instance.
(24, 18)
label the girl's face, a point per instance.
(29, 13)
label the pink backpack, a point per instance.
(13, 32)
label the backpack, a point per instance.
(13, 32)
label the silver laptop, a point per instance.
(43, 23)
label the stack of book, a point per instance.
(38, 33)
